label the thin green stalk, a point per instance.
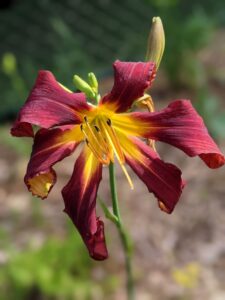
(123, 235)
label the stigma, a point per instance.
(102, 140)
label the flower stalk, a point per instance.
(122, 233)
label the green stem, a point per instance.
(123, 235)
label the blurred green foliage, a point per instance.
(209, 106)
(181, 61)
(67, 37)
(59, 269)
(20, 146)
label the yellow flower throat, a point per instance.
(102, 140)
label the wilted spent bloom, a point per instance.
(108, 131)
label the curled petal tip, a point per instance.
(41, 184)
(22, 129)
(163, 207)
(213, 160)
(96, 244)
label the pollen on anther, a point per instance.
(109, 122)
(96, 128)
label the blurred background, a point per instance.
(176, 257)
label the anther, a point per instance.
(96, 128)
(109, 122)
(113, 141)
(99, 149)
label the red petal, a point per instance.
(50, 146)
(131, 79)
(48, 105)
(162, 179)
(181, 126)
(80, 200)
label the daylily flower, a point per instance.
(108, 131)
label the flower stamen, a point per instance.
(102, 140)
(94, 135)
(114, 142)
(101, 157)
(127, 176)
(92, 142)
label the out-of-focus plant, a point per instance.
(22, 148)
(16, 85)
(209, 106)
(70, 36)
(182, 62)
(188, 276)
(69, 55)
(60, 269)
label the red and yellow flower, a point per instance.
(109, 132)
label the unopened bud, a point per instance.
(93, 81)
(83, 86)
(156, 42)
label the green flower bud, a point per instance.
(83, 86)
(156, 42)
(93, 82)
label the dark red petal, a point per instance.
(162, 179)
(181, 126)
(50, 146)
(131, 79)
(49, 105)
(80, 200)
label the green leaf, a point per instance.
(108, 214)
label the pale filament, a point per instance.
(92, 142)
(114, 142)
(104, 146)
